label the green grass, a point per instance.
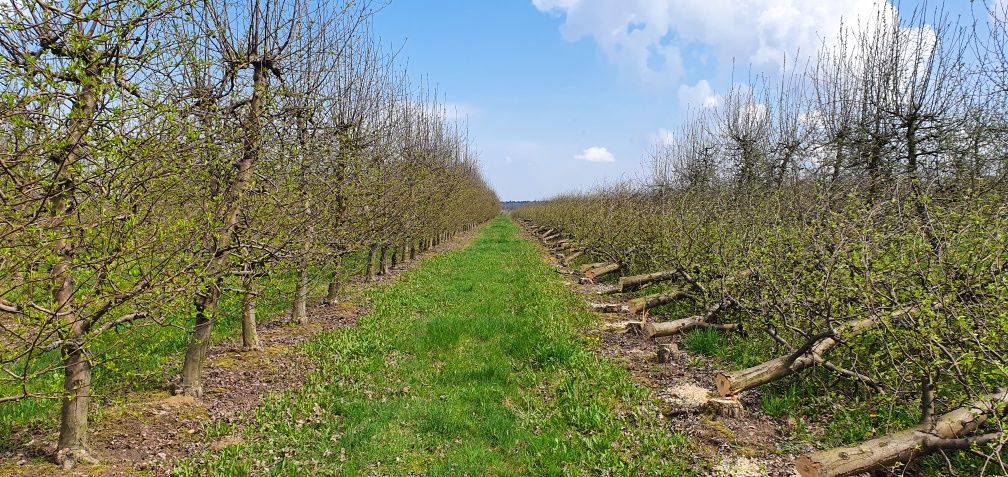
(471, 364)
(782, 403)
(705, 341)
(145, 357)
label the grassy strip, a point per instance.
(470, 364)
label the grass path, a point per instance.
(470, 364)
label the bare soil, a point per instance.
(153, 430)
(746, 445)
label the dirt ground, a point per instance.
(153, 430)
(745, 445)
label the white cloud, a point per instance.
(663, 137)
(596, 154)
(650, 38)
(459, 111)
(628, 31)
(552, 5)
(699, 95)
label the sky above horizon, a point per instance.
(564, 95)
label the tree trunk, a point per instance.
(952, 430)
(837, 162)
(682, 325)
(812, 353)
(332, 294)
(381, 260)
(199, 343)
(29, 280)
(72, 446)
(207, 299)
(370, 262)
(393, 258)
(250, 332)
(602, 270)
(645, 303)
(299, 310)
(875, 162)
(588, 266)
(631, 283)
(572, 257)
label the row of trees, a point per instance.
(156, 155)
(850, 216)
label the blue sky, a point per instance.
(562, 95)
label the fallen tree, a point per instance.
(682, 325)
(813, 352)
(638, 305)
(588, 266)
(955, 430)
(574, 256)
(602, 270)
(631, 283)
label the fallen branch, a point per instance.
(633, 327)
(574, 256)
(631, 283)
(606, 307)
(602, 270)
(950, 431)
(645, 303)
(682, 325)
(588, 266)
(811, 353)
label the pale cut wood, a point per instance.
(602, 270)
(682, 325)
(606, 307)
(572, 257)
(811, 354)
(638, 305)
(953, 430)
(633, 282)
(588, 266)
(724, 407)
(622, 327)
